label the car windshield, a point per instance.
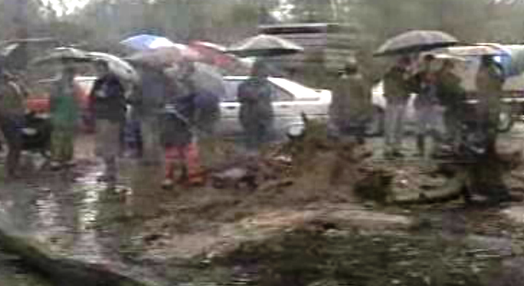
(386, 147)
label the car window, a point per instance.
(231, 91)
(280, 94)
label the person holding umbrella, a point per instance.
(147, 101)
(178, 129)
(426, 104)
(256, 108)
(65, 115)
(452, 96)
(396, 92)
(108, 105)
(489, 80)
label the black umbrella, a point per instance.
(415, 42)
(264, 46)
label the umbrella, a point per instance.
(63, 55)
(157, 58)
(117, 65)
(207, 78)
(414, 42)
(147, 42)
(473, 50)
(264, 46)
(513, 60)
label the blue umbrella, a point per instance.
(147, 42)
(513, 64)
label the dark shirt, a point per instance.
(179, 115)
(108, 99)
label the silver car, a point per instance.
(290, 100)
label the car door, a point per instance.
(229, 125)
(285, 109)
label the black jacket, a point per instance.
(108, 99)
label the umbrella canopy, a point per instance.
(63, 55)
(117, 65)
(473, 50)
(209, 79)
(512, 60)
(14, 54)
(264, 46)
(205, 78)
(157, 58)
(147, 42)
(414, 42)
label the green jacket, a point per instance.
(396, 86)
(65, 110)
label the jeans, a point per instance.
(428, 123)
(394, 125)
(150, 128)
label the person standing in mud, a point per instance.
(178, 131)
(452, 96)
(108, 105)
(351, 103)
(396, 92)
(489, 83)
(65, 115)
(256, 108)
(426, 104)
(147, 103)
(12, 111)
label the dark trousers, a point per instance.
(12, 129)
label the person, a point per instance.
(452, 96)
(178, 135)
(489, 81)
(147, 102)
(208, 87)
(108, 105)
(12, 111)
(396, 92)
(426, 104)
(256, 109)
(65, 115)
(351, 103)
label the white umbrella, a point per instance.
(120, 67)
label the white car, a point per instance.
(290, 100)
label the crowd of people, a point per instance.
(173, 111)
(440, 104)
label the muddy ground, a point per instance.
(304, 234)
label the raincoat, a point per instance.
(65, 115)
(452, 96)
(256, 110)
(351, 102)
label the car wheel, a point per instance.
(376, 124)
(506, 120)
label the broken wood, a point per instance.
(61, 270)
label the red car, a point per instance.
(38, 101)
